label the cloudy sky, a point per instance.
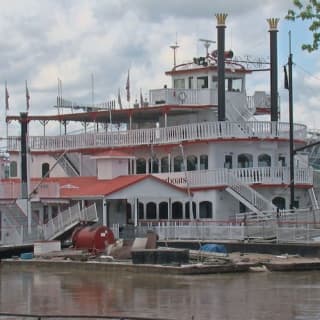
(43, 40)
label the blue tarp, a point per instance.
(211, 247)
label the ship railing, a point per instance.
(221, 176)
(173, 134)
(12, 190)
(67, 219)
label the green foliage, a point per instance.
(307, 10)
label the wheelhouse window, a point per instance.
(233, 84)
(190, 82)
(202, 82)
(179, 84)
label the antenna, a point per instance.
(207, 44)
(174, 47)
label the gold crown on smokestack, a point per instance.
(221, 19)
(273, 24)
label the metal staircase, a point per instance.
(68, 219)
(67, 165)
(250, 197)
(15, 231)
(240, 115)
(313, 198)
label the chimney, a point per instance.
(24, 151)
(273, 29)
(221, 19)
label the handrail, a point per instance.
(173, 134)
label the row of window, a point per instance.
(192, 163)
(202, 82)
(177, 164)
(149, 212)
(45, 168)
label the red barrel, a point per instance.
(92, 238)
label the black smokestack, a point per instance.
(273, 29)
(24, 151)
(221, 19)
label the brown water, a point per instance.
(249, 296)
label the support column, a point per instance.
(136, 203)
(169, 209)
(104, 211)
(49, 212)
(221, 20)
(273, 30)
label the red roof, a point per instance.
(75, 187)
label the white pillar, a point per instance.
(104, 211)
(49, 213)
(41, 216)
(136, 202)
(169, 209)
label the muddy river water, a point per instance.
(247, 296)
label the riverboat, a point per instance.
(191, 162)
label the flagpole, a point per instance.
(6, 114)
(292, 201)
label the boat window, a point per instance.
(205, 209)
(45, 170)
(178, 164)
(233, 84)
(192, 163)
(282, 160)
(164, 164)
(264, 160)
(153, 165)
(13, 169)
(179, 83)
(177, 210)
(202, 82)
(151, 210)
(203, 162)
(279, 202)
(228, 161)
(190, 82)
(214, 83)
(141, 165)
(245, 160)
(141, 211)
(163, 210)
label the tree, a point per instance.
(308, 10)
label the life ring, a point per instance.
(182, 96)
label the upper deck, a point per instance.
(201, 131)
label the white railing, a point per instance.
(68, 218)
(221, 177)
(12, 190)
(174, 134)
